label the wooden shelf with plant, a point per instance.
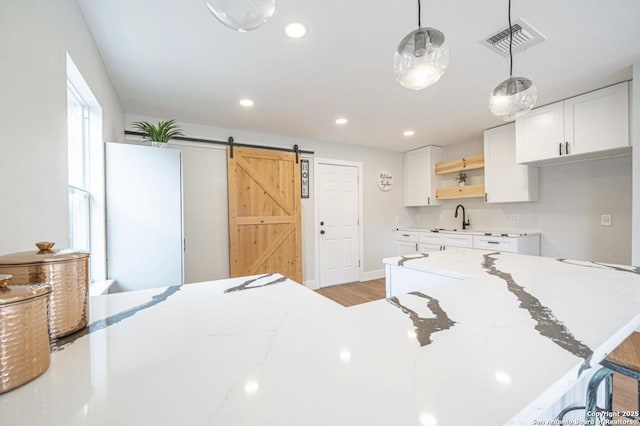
(467, 163)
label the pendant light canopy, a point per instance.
(515, 96)
(242, 15)
(421, 58)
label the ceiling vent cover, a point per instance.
(524, 36)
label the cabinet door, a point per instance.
(598, 121)
(428, 247)
(505, 180)
(540, 134)
(419, 176)
(404, 247)
(457, 240)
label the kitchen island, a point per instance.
(494, 347)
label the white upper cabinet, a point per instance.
(598, 121)
(420, 180)
(506, 181)
(586, 126)
(540, 134)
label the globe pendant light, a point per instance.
(242, 15)
(515, 96)
(421, 58)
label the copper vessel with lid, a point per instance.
(66, 271)
(24, 333)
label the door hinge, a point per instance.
(184, 245)
(358, 221)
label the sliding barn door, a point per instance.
(264, 213)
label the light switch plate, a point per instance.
(605, 220)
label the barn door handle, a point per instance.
(322, 232)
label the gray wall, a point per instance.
(33, 136)
(572, 199)
(205, 203)
(635, 135)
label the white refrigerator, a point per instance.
(145, 246)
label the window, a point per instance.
(87, 222)
(79, 181)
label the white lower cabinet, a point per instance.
(406, 242)
(404, 248)
(419, 241)
(524, 244)
(428, 248)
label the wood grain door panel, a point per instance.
(264, 213)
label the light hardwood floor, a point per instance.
(625, 390)
(355, 293)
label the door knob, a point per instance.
(322, 232)
(321, 223)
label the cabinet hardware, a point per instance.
(416, 246)
(406, 235)
(485, 197)
(493, 242)
(566, 148)
(560, 145)
(322, 232)
(429, 200)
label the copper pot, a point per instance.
(24, 331)
(66, 271)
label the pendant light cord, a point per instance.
(420, 14)
(510, 43)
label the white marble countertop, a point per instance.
(493, 233)
(270, 352)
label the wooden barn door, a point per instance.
(264, 213)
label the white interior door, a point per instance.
(144, 216)
(339, 234)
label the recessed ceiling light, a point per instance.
(409, 133)
(341, 121)
(246, 102)
(295, 30)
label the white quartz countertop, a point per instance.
(493, 233)
(265, 351)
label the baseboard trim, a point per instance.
(372, 275)
(311, 284)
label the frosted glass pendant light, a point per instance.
(515, 96)
(421, 58)
(242, 15)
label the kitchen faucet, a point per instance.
(465, 223)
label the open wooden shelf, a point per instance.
(467, 191)
(468, 163)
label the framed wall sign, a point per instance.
(304, 178)
(385, 180)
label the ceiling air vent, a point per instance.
(524, 36)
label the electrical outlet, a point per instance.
(605, 220)
(514, 219)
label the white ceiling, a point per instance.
(173, 59)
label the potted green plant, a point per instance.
(159, 134)
(462, 178)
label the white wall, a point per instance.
(382, 210)
(33, 136)
(635, 137)
(572, 199)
